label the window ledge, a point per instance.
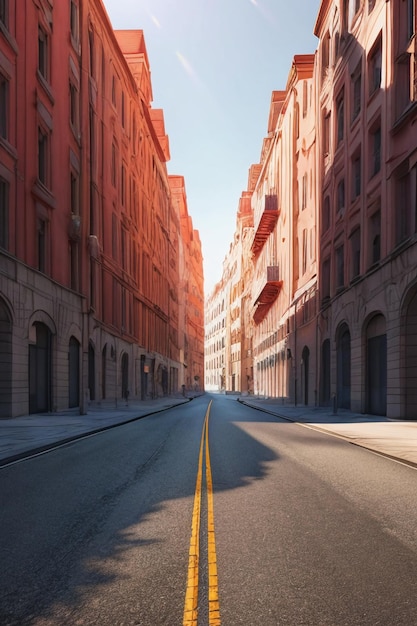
(404, 118)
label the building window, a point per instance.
(357, 5)
(410, 19)
(4, 12)
(74, 107)
(340, 116)
(375, 146)
(43, 53)
(325, 221)
(403, 206)
(124, 248)
(113, 165)
(297, 120)
(123, 185)
(340, 267)
(375, 237)
(355, 250)
(75, 194)
(114, 237)
(356, 81)
(305, 98)
(375, 67)
(305, 250)
(123, 110)
(340, 200)
(113, 91)
(356, 176)
(4, 107)
(92, 55)
(43, 156)
(326, 134)
(74, 24)
(371, 4)
(325, 283)
(4, 214)
(325, 55)
(304, 193)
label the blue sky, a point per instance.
(214, 65)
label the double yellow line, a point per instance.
(191, 596)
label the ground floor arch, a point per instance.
(343, 367)
(6, 383)
(40, 369)
(376, 366)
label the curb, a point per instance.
(25, 454)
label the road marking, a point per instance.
(214, 608)
(191, 596)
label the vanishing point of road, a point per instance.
(208, 514)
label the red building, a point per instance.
(89, 261)
(192, 291)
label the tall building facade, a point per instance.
(333, 288)
(366, 159)
(89, 254)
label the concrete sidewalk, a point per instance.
(26, 435)
(393, 438)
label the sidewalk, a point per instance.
(29, 434)
(393, 438)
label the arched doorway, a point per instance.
(91, 371)
(305, 373)
(411, 359)
(5, 362)
(74, 373)
(325, 374)
(40, 367)
(125, 376)
(376, 366)
(103, 371)
(343, 367)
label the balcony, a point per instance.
(266, 224)
(268, 294)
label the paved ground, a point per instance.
(22, 436)
(395, 438)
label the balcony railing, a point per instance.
(266, 224)
(268, 292)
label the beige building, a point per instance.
(215, 339)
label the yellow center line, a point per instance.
(214, 608)
(191, 596)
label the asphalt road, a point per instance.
(305, 528)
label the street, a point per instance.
(211, 513)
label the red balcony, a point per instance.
(268, 294)
(266, 224)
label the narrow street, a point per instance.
(208, 514)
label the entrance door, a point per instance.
(343, 368)
(325, 374)
(40, 371)
(125, 376)
(74, 373)
(377, 375)
(306, 365)
(91, 372)
(5, 362)
(410, 374)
